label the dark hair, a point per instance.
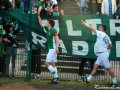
(51, 22)
(54, 6)
(104, 27)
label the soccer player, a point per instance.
(53, 50)
(102, 45)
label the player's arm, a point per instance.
(89, 26)
(110, 43)
(40, 22)
(110, 46)
(57, 42)
(39, 10)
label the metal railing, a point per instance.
(69, 68)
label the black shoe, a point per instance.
(113, 85)
(54, 81)
(85, 80)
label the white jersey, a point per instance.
(102, 42)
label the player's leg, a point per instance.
(56, 77)
(95, 67)
(50, 67)
(56, 71)
(89, 78)
(106, 64)
(112, 74)
(49, 60)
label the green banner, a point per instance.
(75, 39)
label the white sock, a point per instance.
(114, 80)
(51, 69)
(89, 78)
(56, 73)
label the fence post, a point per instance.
(29, 51)
(28, 67)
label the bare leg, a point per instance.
(93, 72)
(47, 64)
(112, 74)
(53, 64)
(94, 69)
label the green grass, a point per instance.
(60, 85)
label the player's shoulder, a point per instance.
(100, 32)
(103, 34)
(54, 30)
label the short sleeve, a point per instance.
(55, 33)
(98, 33)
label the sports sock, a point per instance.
(56, 73)
(89, 78)
(114, 80)
(51, 69)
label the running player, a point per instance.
(102, 45)
(53, 50)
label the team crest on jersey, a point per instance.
(106, 40)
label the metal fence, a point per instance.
(69, 67)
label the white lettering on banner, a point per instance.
(117, 48)
(61, 44)
(70, 30)
(94, 23)
(36, 40)
(83, 44)
(113, 28)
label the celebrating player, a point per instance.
(52, 45)
(102, 45)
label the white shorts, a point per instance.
(103, 60)
(51, 56)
